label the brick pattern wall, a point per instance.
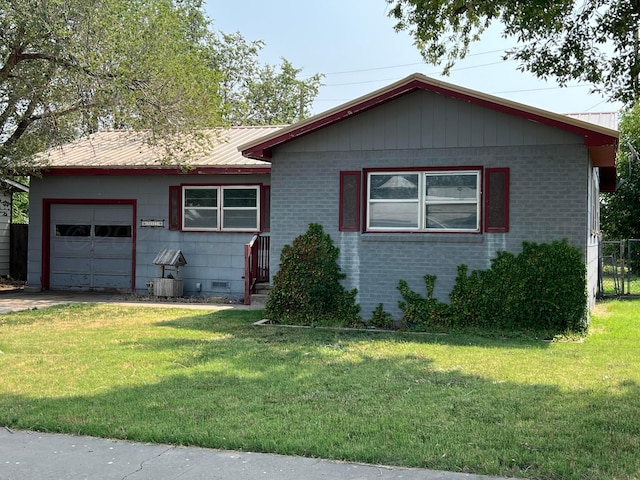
(548, 198)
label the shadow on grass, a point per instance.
(309, 392)
(311, 335)
(420, 417)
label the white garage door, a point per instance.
(91, 247)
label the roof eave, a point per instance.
(15, 186)
(133, 170)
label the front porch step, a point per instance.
(262, 292)
(259, 299)
(263, 288)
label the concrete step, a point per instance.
(263, 288)
(259, 298)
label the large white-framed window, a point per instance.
(220, 208)
(424, 201)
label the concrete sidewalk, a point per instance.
(32, 456)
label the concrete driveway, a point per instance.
(29, 299)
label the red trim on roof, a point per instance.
(88, 171)
(263, 150)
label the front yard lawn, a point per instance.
(515, 406)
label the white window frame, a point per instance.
(220, 208)
(423, 203)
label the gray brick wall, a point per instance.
(548, 201)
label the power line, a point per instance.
(594, 106)
(430, 73)
(541, 88)
(372, 69)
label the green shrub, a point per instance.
(381, 318)
(543, 288)
(418, 311)
(307, 289)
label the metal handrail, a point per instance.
(256, 264)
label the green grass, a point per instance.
(631, 284)
(461, 402)
(630, 279)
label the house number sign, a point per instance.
(152, 223)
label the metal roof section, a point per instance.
(126, 149)
(601, 141)
(604, 119)
(170, 257)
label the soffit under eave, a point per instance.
(603, 155)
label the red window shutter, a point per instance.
(350, 197)
(265, 208)
(496, 200)
(175, 207)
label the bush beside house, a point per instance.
(307, 289)
(542, 289)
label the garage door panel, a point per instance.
(91, 246)
(112, 265)
(70, 280)
(75, 248)
(71, 214)
(109, 281)
(67, 264)
(113, 214)
(112, 249)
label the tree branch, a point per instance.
(22, 126)
(12, 60)
(28, 119)
(17, 55)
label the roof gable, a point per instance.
(601, 141)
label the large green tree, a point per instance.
(620, 210)
(68, 68)
(595, 41)
(256, 94)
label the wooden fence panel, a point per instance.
(19, 247)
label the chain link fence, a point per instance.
(620, 267)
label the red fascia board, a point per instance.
(102, 171)
(263, 151)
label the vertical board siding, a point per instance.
(5, 234)
(428, 120)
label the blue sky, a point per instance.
(353, 43)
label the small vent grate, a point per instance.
(219, 284)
